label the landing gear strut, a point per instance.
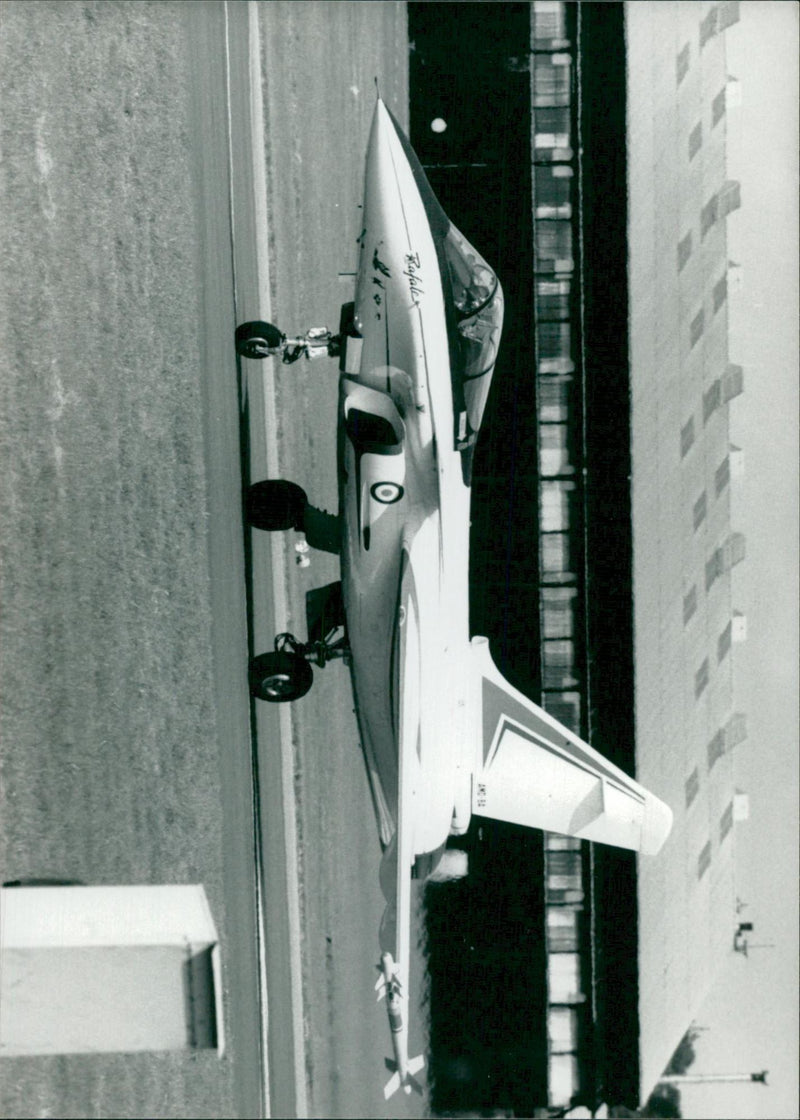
(263, 340)
(319, 652)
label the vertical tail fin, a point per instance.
(534, 771)
(408, 1082)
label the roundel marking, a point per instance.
(387, 493)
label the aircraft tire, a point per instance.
(254, 339)
(279, 677)
(276, 504)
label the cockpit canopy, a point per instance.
(478, 299)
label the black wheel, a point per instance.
(278, 677)
(276, 504)
(257, 340)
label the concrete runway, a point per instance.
(176, 169)
(222, 36)
(326, 1037)
(320, 63)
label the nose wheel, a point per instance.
(258, 340)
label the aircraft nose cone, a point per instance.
(381, 112)
(382, 129)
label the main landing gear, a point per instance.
(286, 673)
(263, 340)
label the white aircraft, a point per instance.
(444, 735)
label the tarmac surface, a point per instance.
(141, 222)
(315, 180)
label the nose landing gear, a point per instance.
(263, 340)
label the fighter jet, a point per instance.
(444, 735)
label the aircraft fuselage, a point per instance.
(405, 506)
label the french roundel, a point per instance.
(387, 493)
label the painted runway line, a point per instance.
(279, 564)
(256, 172)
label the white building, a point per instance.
(704, 314)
